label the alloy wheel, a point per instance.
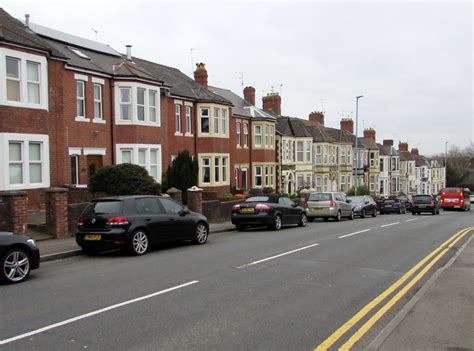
(201, 234)
(277, 224)
(303, 220)
(139, 243)
(16, 266)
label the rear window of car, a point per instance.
(319, 197)
(422, 199)
(104, 207)
(257, 199)
(388, 201)
(452, 190)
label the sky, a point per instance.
(411, 61)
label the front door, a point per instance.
(94, 163)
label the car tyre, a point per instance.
(362, 215)
(374, 214)
(338, 216)
(303, 220)
(310, 219)
(240, 227)
(413, 213)
(139, 243)
(325, 219)
(15, 266)
(201, 234)
(351, 217)
(277, 222)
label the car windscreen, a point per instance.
(357, 199)
(104, 207)
(319, 197)
(257, 199)
(422, 199)
(388, 201)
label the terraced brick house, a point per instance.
(390, 176)
(407, 170)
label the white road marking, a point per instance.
(93, 313)
(360, 231)
(388, 225)
(411, 220)
(276, 256)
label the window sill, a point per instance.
(97, 120)
(188, 135)
(178, 134)
(82, 119)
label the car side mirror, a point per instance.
(184, 212)
(293, 205)
(348, 201)
(366, 202)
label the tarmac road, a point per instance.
(252, 290)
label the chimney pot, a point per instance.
(414, 152)
(402, 146)
(272, 102)
(200, 74)
(369, 133)
(317, 117)
(348, 125)
(129, 52)
(27, 20)
(388, 142)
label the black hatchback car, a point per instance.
(363, 206)
(136, 222)
(425, 203)
(392, 206)
(273, 211)
(18, 256)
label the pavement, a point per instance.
(435, 318)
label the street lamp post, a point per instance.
(445, 163)
(357, 144)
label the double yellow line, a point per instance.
(438, 253)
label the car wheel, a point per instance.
(413, 213)
(351, 216)
(382, 213)
(200, 237)
(139, 243)
(240, 227)
(362, 215)
(433, 212)
(374, 214)
(325, 219)
(277, 222)
(303, 220)
(338, 216)
(15, 266)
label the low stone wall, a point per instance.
(4, 216)
(217, 211)
(209, 195)
(74, 212)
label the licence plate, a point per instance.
(388, 205)
(318, 209)
(248, 210)
(93, 237)
(457, 206)
(421, 206)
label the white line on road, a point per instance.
(388, 225)
(411, 220)
(93, 313)
(360, 231)
(276, 256)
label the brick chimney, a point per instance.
(272, 102)
(249, 95)
(347, 124)
(388, 142)
(369, 133)
(200, 74)
(414, 152)
(317, 117)
(402, 146)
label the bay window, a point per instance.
(308, 151)
(258, 175)
(258, 135)
(224, 121)
(141, 104)
(204, 120)
(152, 103)
(137, 103)
(13, 79)
(216, 120)
(146, 155)
(33, 82)
(299, 151)
(125, 104)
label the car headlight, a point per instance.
(31, 242)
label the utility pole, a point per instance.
(357, 143)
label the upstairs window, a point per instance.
(24, 79)
(238, 133)
(246, 134)
(188, 120)
(272, 136)
(152, 103)
(80, 98)
(224, 121)
(141, 104)
(126, 104)
(137, 104)
(267, 136)
(258, 136)
(216, 120)
(308, 151)
(204, 120)
(177, 114)
(97, 101)
(319, 158)
(299, 151)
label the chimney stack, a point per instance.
(369, 133)
(414, 152)
(129, 52)
(347, 124)
(200, 74)
(272, 102)
(317, 117)
(249, 95)
(27, 20)
(402, 146)
(388, 142)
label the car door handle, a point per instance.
(147, 219)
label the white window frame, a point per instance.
(224, 121)
(152, 109)
(177, 119)
(98, 103)
(25, 140)
(76, 173)
(267, 136)
(133, 104)
(308, 151)
(23, 58)
(203, 117)
(272, 137)
(258, 170)
(218, 169)
(216, 119)
(36, 83)
(238, 132)
(246, 134)
(299, 151)
(143, 105)
(259, 135)
(134, 148)
(189, 127)
(81, 85)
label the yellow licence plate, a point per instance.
(248, 210)
(421, 206)
(388, 205)
(93, 237)
(318, 209)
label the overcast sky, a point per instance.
(413, 62)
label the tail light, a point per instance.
(462, 201)
(116, 221)
(80, 222)
(262, 207)
(235, 208)
(332, 203)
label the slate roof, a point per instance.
(421, 161)
(14, 32)
(405, 156)
(242, 107)
(341, 135)
(368, 143)
(318, 132)
(291, 126)
(387, 150)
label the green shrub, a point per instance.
(182, 174)
(361, 190)
(124, 179)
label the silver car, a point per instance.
(327, 205)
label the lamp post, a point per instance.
(357, 144)
(445, 163)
